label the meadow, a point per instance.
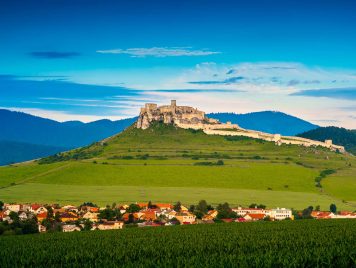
(167, 164)
(305, 243)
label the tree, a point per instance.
(131, 218)
(57, 217)
(113, 206)
(149, 205)
(49, 212)
(29, 227)
(199, 214)
(107, 214)
(317, 208)
(133, 208)
(202, 206)
(1, 205)
(333, 208)
(220, 163)
(177, 206)
(306, 214)
(225, 212)
(192, 208)
(87, 225)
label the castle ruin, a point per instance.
(191, 118)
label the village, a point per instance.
(34, 218)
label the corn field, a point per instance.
(305, 243)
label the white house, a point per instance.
(91, 216)
(244, 211)
(12, 207)
(23, 216)
(70, 228)
(110, 225)
(280, 213)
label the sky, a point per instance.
(87, 60)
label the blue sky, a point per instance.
(86, 60)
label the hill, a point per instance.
(342, 136)
(13, 152)
(267, 121)
(165, 164)
(26, 128)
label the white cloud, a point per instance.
(159, 52)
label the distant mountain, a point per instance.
(33, 132)
(25, 128)
(13, 152)
(340, 136)
(267, 121)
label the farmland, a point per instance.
(167, 164)
(306, 243)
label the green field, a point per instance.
(167, 164)
(305, 243)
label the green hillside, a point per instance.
(166, 164)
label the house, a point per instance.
(213, 213)
(243, 211)
(185, 217)
(172, 214)
(136, 216)
(280, 214)
(254, 217)
(345, 215)
(92, 216)
(41, 228)
(208, 218)
(142, 205)
(37, 209)
(22, 215)
(149, 215)
(240, 220)
(110, 225)
(183, 209)
(70, 208)
(25, 207)
(149, 224)
(41, 216)
(68, 216)
(164, 206)
(70, 228)
(227, 220)
(12, 207)
(322, 215)
(93, 209)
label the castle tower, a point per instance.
(173, 106)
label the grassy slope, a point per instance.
(283, 177)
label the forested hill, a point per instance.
(25, 137)
(26, 128)
(267, 121)
(13, 152)
(340, 136)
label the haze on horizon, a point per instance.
(87, 60)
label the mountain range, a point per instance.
(35, 137)
(267, 121)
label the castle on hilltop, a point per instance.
(181, 116)
(191, 118)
